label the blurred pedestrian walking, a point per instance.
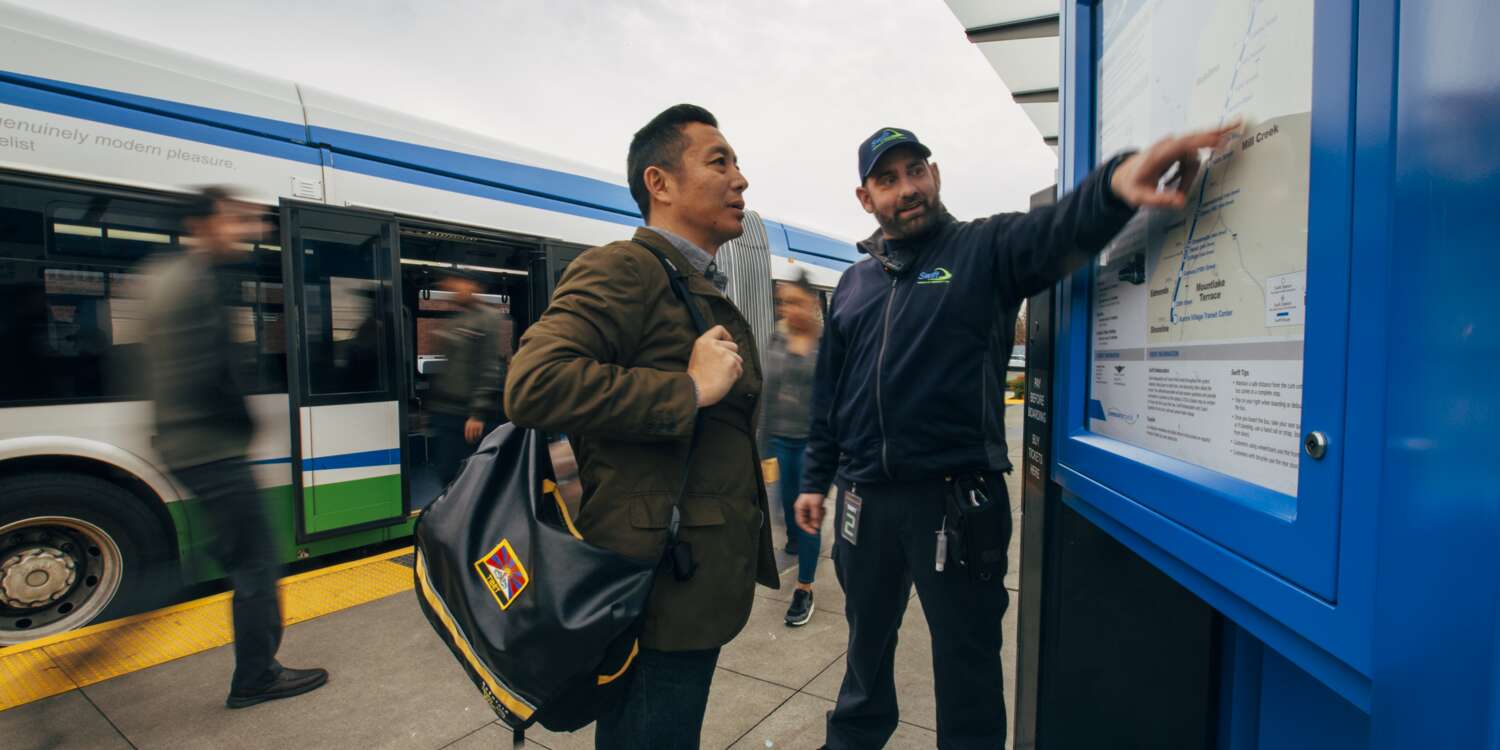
(203, 432)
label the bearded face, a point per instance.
(902, 194)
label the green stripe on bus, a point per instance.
(340, 504)
(195, 535)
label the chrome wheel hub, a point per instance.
(36, 576)
(56, 573)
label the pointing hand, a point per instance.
(1135, 180)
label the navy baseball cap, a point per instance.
(885, 139)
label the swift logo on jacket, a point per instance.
(935, 276)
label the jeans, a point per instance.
(244, 548)
(788, 453)
(664, 703)
(895, 546)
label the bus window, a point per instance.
(72, 287)
(256, 319)
(71, 314)
(344, 313)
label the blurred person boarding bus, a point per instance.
(335, 343)
(466, 390)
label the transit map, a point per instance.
(1198, 314)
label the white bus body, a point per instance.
(91, 120)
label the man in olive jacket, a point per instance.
(616, 364)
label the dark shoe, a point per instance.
(791, 546)
(801, 610)
(288, 683)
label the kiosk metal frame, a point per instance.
(1361, 612)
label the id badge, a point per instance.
(849, 528)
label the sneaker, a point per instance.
(288, 682)
(801, 610)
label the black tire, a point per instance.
(74, 549)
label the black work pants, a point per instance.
(896, 546)
(664, 703)
(244, 548)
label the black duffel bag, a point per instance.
(545, 623)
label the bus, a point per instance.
(100, 138)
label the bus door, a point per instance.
(547, 267)
(345, 378)
(546, 270)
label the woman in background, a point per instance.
(791, 362)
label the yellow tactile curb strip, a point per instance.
(49, 666)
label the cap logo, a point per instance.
(887, 136)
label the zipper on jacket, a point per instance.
(885, 338)
(984, 398)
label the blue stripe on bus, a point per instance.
(837, 264)
(382, 457)
(588, 191)
(263, 126)
(88, 109)
(817, 260)
(563, 192)
(411, 176)
(812, 243)
(776, 236)
(583, 191)
(389, 159)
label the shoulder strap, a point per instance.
(678, 282)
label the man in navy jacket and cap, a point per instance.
(908, 422)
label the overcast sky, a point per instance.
(796, 84)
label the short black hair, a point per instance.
(660, 144)
(205, 202)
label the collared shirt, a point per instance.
(697, 256)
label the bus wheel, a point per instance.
(70, 545)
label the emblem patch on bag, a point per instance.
(503, 574)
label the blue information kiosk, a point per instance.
(1263, 474)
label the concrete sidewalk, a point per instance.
(394, 685)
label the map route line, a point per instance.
(1234, 78)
